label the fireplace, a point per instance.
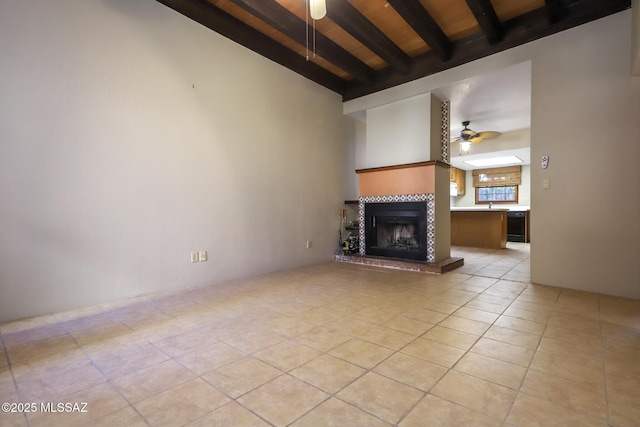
(396, 230)
(397, 216)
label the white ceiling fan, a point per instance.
(469, 136)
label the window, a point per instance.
(504, 194)
(497, 185)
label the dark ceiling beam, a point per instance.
(554, 10)
(486, 16)
(221, 22)
(422, 23)
(352, 21)
(523, 29)
(290, 25)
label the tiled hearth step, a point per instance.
(443, 266)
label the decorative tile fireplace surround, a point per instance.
(410, 241)
(426, 221)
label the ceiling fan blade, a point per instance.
(456, 139)
(470, 135)
(489, 134)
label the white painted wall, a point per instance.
(398, 133)
(360, 147)
(585, 107)
(131, 136)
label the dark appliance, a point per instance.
(396, 230)
(516, 226)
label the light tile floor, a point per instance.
(336, 344)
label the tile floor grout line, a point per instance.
(604, 364)
(566, 305)
(367, 371)
(537, 350)
(13, 378)
(524, 377)
(452, 368)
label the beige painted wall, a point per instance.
(585, 107)
(635, 37)
(131, 136)
(585, 110)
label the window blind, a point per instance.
(497, 177)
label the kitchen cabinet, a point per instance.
(480, 228)
(457, 176)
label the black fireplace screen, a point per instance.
(397, 233)
(396, 230)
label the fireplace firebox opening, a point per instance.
(396, 230)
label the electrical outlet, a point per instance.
(194, 257)
(203, 256)
(546, 183)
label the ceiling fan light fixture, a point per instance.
(469, 136)
(317, 9)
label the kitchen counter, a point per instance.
(479, 209)
(485, 208)
(480, 227)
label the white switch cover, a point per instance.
(309, 244)
(194, 257)
(203, 256)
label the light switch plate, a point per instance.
(203, 256)
(194, 257)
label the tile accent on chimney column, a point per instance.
(445, 136)
(431, 228)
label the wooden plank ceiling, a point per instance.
(363, 46)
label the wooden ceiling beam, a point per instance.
(402, 69)
(486, 16)
(221, 22)
(290, 25)
(422, 23)
(352, 21)
(554, 10)
(517, 31)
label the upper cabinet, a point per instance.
(457, 176)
